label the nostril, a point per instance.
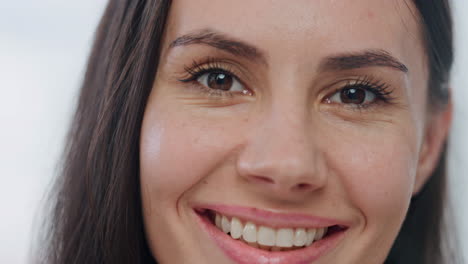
(303, 186)
(268, 180)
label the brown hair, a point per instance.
(426, 236)
(96, 213)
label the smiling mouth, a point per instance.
(269, 238)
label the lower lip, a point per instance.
(242, 253)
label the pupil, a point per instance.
(220, 81)
(353, 96)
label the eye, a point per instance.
(222, 81)
(354, 95)
(362, 92)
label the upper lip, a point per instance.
(271, 218)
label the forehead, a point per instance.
(309, 25)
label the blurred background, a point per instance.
(43, 50)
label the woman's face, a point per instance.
(297, 127)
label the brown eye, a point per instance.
(353, 95)
(221, 81)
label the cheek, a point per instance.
(378, 178)
(177, 153)
(382, 177)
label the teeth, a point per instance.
(236, 228)
(225, 225)
(284, 237)
(310, 236)
(319, 234)
(267, 238)
(218, 221)
(300, 237)
(250, 232)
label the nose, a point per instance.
(281, 159)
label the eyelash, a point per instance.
(210, 65)
(380, 89)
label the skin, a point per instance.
(286, 148)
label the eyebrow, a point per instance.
(346, 61)
(368, 58)
(220, 41)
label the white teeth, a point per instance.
(250, 232)
(266, 236)
(319, 234)
(300, 237)
(310, 236)
(284, 237)
(236, 228)
(225, 225)
(218, 220)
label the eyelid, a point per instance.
(210, 64)
(382, 90)
(365, 80)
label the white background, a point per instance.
(43, 50)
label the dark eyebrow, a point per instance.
(368, 58)
(220, 41)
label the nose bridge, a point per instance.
(280, 156)
(286, 135)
